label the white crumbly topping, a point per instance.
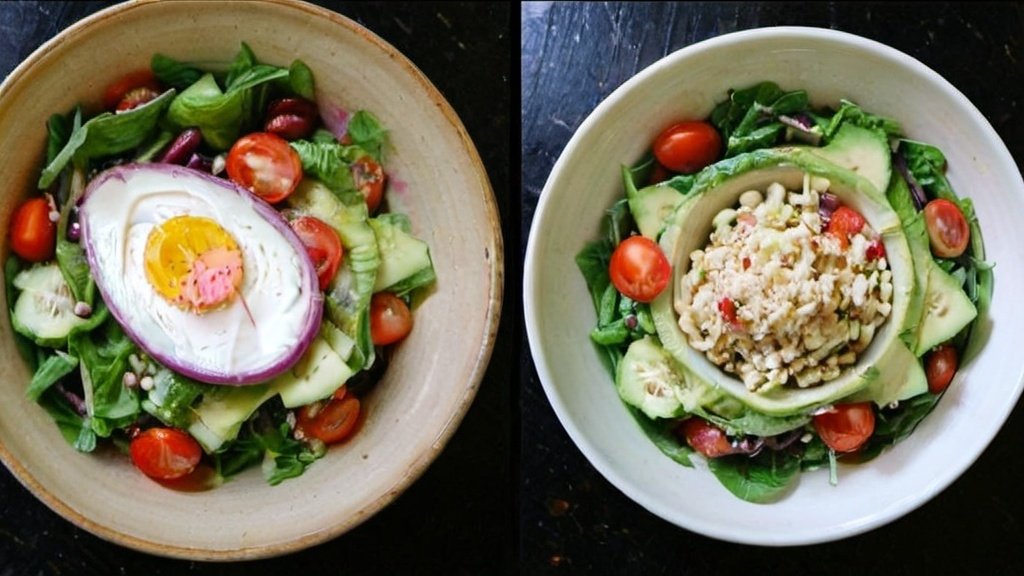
(803, 306)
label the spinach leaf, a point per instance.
(107, 135)
(661, 433)
(367, 133)
(49, 373)
(759, 479)
(850, 112)
(754, 423)
(104, 360)
(218, 115)
(173, 73)
(283, 457)
(300, 80)
(244, 60)
(75, 429)
(71, 259)
(57, 133)
(748, 120)
(893, 425)
(254, 76)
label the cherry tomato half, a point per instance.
(639, 269)
(706, 438)
(846, 427)
(334, 421)
(948, 231)
(390, 319)
(131, 90)
(165, 453)
(939, 367)
(688, 146)
(844, 223)
(369, 179)
(33, 234)
(266, 165)
(322, 244)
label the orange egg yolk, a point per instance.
(193, 263)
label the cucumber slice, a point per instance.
(647, 379)
(45, 308)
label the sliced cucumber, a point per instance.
(647, 379)
(45, 308)
(403, 257)
(317, 375)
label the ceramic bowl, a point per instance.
(434, 374)
(585, 180)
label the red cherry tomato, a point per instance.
(131, 90)
(728, 309)
(266, 165)
(33, 234)
(940, 366)
(334, 421)
(846, 427)
(165, 453)
(390, 319)
(706, 438)
(875, 250)
(322, 244)
(369, 179)
(948, 231)
(639, 269)
(844, 223)
(687, 147)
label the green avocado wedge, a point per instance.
(718, 187)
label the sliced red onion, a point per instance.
(200, 162)
(751, 446)
(801, 127)
(916, 191)
(784, 440)
(827, 204)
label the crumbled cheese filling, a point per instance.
(776, 299)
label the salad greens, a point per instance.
(765, 116)
(86, 379)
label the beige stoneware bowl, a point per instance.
(434, 374)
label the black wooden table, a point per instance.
(572, 521)
(458, 517)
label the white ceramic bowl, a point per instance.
(434, 374)
(585, 180)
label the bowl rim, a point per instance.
(532, 290)
(480, 361)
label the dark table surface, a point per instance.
(458, 517)
(572, 521)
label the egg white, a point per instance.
(255, 332)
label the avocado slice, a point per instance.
(947, 310)
(939, 309)
(862, 151)
(719, 187)
(900, 376)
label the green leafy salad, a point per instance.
(208, 277)
(784, 287)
